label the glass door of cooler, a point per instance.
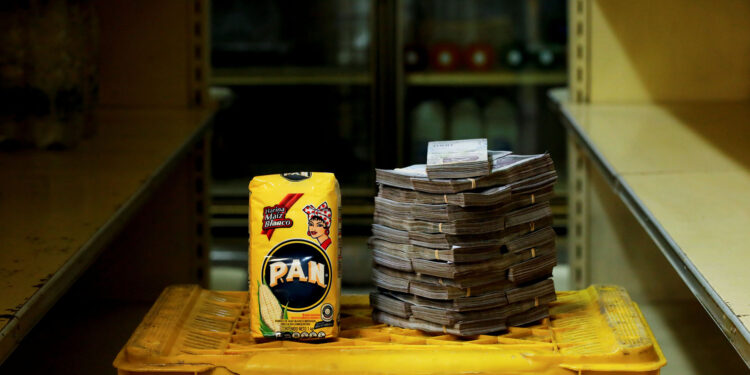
(300, 76)
(480, 69)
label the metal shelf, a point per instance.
(670, 164)
(282, 76)
(491, 78)
(60, 210)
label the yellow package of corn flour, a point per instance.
(295, 277)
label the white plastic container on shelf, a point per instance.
(428, 123)
(501, 125)
(466, 120)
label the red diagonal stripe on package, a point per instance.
(287, 203)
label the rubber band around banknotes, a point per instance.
(531, 226)
(468, 292)
(532, 198)
(436, 255)
(440, 281)
(445, 198)
(533, 252)
(473, 183)
(440, 227)
(536, 301)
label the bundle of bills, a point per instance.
(458, 159)
(506, 170)
(464, 245)
(486, 197)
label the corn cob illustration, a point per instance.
(270, 310)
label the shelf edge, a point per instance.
(733, 329)
(53, 289)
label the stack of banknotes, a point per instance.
(468, 253)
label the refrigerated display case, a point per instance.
(334, 85)
(481, 69)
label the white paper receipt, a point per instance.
(459, 151)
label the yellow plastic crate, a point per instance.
(190, 330)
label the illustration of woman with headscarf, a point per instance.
(319, 223)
